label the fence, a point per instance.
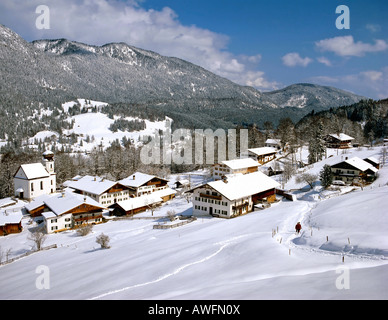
(175, 225)
(27, 254)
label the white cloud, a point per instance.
(372, 75)
(256, 79)
(373, 27)
(345, 46)
(371, 83)
(324, 61)
(294, 59)
(105, 21)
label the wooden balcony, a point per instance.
(87, 218)
(204, 195)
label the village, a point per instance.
(235, 187)
(146, 212)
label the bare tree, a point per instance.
(38, 237)
(171, 215)
(383, 156)
(308, 178)
(103, 241)
(85, 230)
(152, 206)
(187, 196)
(288, 171)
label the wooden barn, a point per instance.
(10, 222)
(136, 205)
(262, 155)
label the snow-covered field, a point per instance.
(212, 258)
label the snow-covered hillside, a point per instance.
(256, 256)
(92, 129)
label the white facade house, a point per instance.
(353, 170)
(104, 191)
(67, 210)
(145, 184)
(230, 167)
(233, 196)
(35, 179)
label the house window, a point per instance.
(54, 228)
(32, 186)
(41, 185)
(53, 220)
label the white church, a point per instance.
(35, 179)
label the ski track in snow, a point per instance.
(176, 271)
(223, 244)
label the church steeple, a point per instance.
(48, 161)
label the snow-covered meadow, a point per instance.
(341, 253)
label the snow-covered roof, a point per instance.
(10, 218)
(164, 192)
(49, 215)
(241, 186)
(7, 202)
(240, 163)
(137, 179)
(273, 141)
(34, 170)
(38, 202)
(359, 164)
(373, 159)
(263, 151)
(341, 137)
(90, 184)
(62, 203)
(138, 202)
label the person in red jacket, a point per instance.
(298, 227)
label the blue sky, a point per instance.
(265, 44)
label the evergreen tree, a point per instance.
(317, 144)
(326, 176)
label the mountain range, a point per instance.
(51, 72)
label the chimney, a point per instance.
(225, 179)
(63, 194)
(133, 177)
